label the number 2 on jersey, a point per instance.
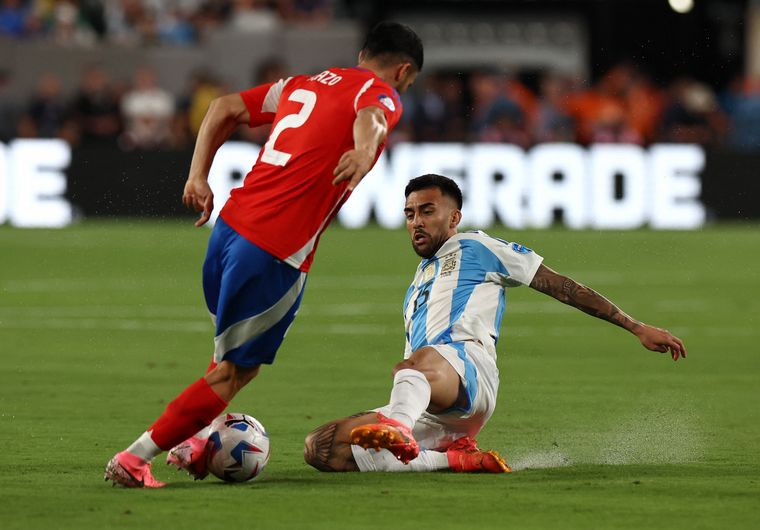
(291, 121)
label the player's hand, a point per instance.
(199, 197)
(661, 340)
(352, 166)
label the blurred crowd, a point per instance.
(133, 22)
(524, 108)
(623, 106)
(132, 114)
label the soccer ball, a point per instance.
(238, 447)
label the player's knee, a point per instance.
(425, 360)
(402, 365)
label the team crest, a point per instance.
(449, 264)
(388, 102)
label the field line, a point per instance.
(109, 324)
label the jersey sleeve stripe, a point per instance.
(362, 90)
(272, 99)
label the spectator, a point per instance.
(524, 98)
(692, 115)
(210, 15)
(47, 112)
(438, 113)
(253, 16)
(69, 26)
(611, 126)
(133, 22)
(591, 106)
(552, 123)
(9, 109)
(306, 11)
(495, 117)
(121, 17)
(96, 108)
(742, 102)
(175, 28)
(271, 70)
(147, 111)
(644, 104)
(203, 88)
(13, 18)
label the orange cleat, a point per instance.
(190, 455)
(131, 471)
(387, 434)
(466, 457)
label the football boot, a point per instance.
(190, 455)
(466, 457)
(131, 471)
(387, 434)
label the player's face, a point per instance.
(431, 219)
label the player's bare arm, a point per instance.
(370, 129)
(570, 292)
(224, 115)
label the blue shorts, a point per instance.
(252, 296)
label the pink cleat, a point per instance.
(190, 455)
(387, 434)
(466, 457)
(131, 471)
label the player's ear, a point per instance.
(402, 71)
(456, 218)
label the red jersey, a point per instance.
(288, 199)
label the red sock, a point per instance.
(188, 413)
(211, 366)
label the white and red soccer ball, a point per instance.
(238, 448)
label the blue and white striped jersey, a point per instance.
(459, 294)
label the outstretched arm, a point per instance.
(222, 118)
(570, 292)
(370, 129)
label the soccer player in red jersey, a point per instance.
(327, 132)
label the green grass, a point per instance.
(102, 323)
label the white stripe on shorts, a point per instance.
(241, 332)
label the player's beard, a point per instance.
(428, 249)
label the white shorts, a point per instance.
(480, 378)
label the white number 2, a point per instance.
(291, 121)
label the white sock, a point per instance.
(410, 396)
(145, 447)
(383, 460)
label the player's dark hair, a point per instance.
(394, 40)
(445, 184)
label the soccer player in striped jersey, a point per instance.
(444, 391)
(327, 132)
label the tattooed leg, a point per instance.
(327, 448)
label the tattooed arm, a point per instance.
(570, 292)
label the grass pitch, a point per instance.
(102, 323)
